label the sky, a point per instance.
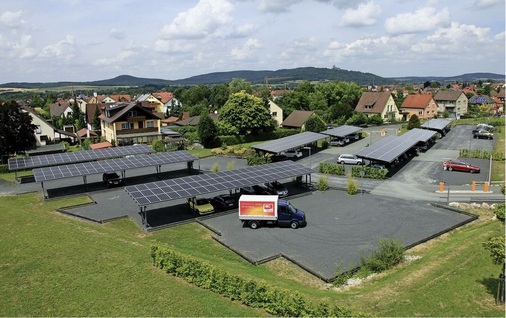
(88, 40)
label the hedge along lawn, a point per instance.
(498, 166)
(53, 265)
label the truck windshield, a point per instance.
(290, 208)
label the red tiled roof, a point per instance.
(101, 145)
(417, 101)
(164, 97)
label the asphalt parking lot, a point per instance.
(340, 228)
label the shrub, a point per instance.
(352, 186)
(215, 167)
(230, 165)
(158, 145)
(331, 168)
(388, 254)
(257, 159)
(369, 172)
(499, 210)
(323, 183)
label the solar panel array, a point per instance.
(391, 147)
(341, 131)
(289, 142)
(75, 157)
(436, 124)
(185, 187)
(95, 167)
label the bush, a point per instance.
(331, 168)
(279, 302)
(323, 183)
(499, 211)
(215, 167)
(257, 159)
(369, 172)
(352, 186)
(388, 254)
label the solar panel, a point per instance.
(341, 131)
(78, 156)
(391, 147)
(289, 142)
(436, 124)
(185, 187)
(95, 167)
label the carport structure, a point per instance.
(391, 148)
(341, 131)
(438, 125)
(289, 142)
(121, 164)
(192, 186)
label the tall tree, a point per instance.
(207, 130)
(16, 129)
(245, 114)
(96, 119)
(240, 84)
(414, 122)
(315, 124)
(219, 95)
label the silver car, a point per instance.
(350, 159)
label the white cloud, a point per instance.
(64, 49)
(277, 6)
(248, 49)
(12, 20)
(200, 21)
(365, 14)
(114, 61)
(422, 20)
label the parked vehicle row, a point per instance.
(229, 201)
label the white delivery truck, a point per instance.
(255, 210)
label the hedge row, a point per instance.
(4, 168)
(369, 172)
(331, 168)
(241, 139)
(338, 169)
(481, 154)
(276, 301)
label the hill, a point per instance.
(282, 76)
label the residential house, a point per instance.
(275, 94)
(194, 120)
(276, 112)
(60, 108)
(481, 100)
(122, 98)
(297, 119)
(46, 133)
(499, 106)
(422, 105)
(148, 100)
(378, 103)
(131, 123)
(454, 102)
(169, 102)
(84, 133)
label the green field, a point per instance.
(54, 265)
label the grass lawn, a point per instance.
(54, 265)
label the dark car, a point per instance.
(277, 188)
(112, 179)
(458, 165)
(224, 201)
(256, 189)
(482, 134)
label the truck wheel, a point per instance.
(294, 225)
(254, 225)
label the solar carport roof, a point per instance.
(75, 157)
(289, 142)
(436, 124)
(391, 147)
(95, 167)
(185, 187)
(341, 131)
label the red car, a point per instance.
(458, 165)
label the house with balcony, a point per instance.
(130, 123)
(378, 103)
(453, 102)
(422, 105)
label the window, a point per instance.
(150, 124)
(420, 112)
(132, 113)
(127, 125)
(274, 114)
(37, 129)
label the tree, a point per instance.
(414, 122)
(207, 130)
(219, 95)
(240, 84)
(245, 114)
(357, 119)
(96, 119)
(16, 129)
(315, 124)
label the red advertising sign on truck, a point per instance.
(258, 207)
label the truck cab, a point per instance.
(288, 215)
